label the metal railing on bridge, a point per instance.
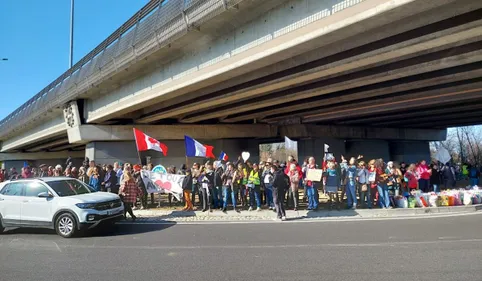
(154, 26)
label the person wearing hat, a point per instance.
(254, 185)
(44, 170)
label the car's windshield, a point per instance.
(69, 187)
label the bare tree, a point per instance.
(464, 144)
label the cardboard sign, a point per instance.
(314, 174)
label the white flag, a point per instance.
(326, 148)
(289, 144)
(443, 155)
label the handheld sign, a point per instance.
(314, 174)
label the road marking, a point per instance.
(280, 246)
(299, 220)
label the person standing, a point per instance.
(129, 192)
(311, 186)
(474, 175)
(196, 172)
(138, 179)
(94, 179)
(187, 188)
(268, 185)
(435, 178)
(228, 186)
(332, 183)
(448, 173)
(207, 181)
(44, 171)
(382, 185)
(280, 185)
(110, 180)
(254, 185)
(218, 185)
(294, 176)
(351, 173)
(83, 176)
(423, 172)
(363, 185)
(411, 176)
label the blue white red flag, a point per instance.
(223, 156)
(197, 149)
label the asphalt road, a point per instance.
(422, 249)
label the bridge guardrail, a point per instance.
(154, 26)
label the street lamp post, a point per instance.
(71, 55)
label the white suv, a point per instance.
(64, 204)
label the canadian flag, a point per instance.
(145, 142)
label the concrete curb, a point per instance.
(264, 215)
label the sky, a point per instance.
(34, 36)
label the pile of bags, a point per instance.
(445, 198)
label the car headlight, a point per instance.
(85, 205)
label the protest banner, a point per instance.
(163, 183)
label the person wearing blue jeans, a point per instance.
(383, 198)
(268, 185)
(351, 173)
(218, 185)
(254, 182)
(310, 193)
(229, 187)
(474, 175)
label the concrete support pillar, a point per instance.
(410, 151)
(315, 148)
(370, 149)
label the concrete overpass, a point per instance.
(361, 74)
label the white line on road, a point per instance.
(244, 247)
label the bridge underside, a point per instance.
(384, 71)
(419, 71)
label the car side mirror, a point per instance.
(44, 195)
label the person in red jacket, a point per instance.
(411, 176)
(424, 172)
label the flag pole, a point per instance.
(135, 138)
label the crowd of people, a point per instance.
(270, 184)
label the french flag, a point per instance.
(223, 156)
(197, 149)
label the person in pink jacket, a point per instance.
(424, 172)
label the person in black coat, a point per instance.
(280, 185)
(448, 173)
(218, 185)
(435, 178)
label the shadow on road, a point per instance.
(128, 229)
(100, 231)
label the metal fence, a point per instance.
(154, 26)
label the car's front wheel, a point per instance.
(65, 225)
(2, 228)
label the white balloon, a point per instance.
(245, 155)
